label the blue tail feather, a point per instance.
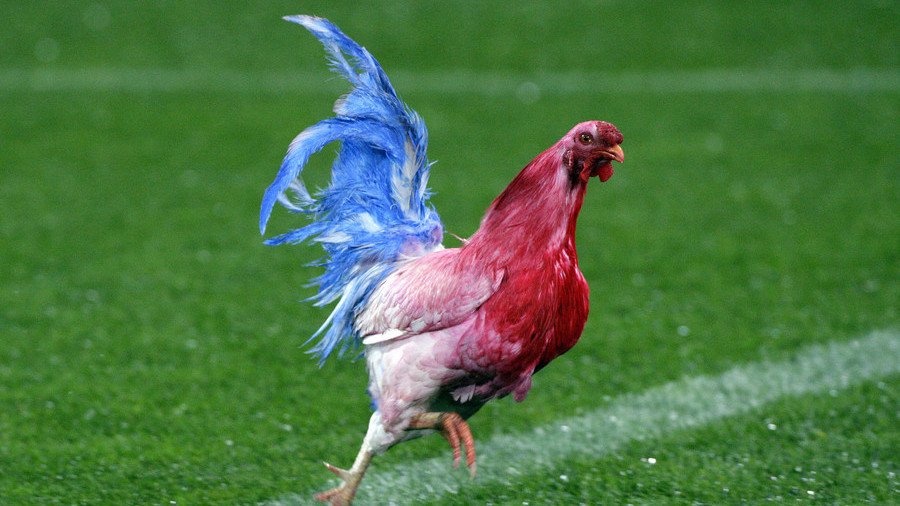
(375, 210)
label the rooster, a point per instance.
(443, 330)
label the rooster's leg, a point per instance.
(455, 430)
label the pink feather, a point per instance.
(475, 323)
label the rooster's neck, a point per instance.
(535, 215)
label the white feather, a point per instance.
(334, 237)
(401, 180)
(384, 336)
(368, 223)
(417, 325)
(464, 394)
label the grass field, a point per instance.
(152, 346)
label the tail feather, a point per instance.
(375, 210)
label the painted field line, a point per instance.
(527, 87)
(683, 404)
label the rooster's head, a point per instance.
(590, 149)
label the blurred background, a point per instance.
(151, 346)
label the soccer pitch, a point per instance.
(743, 338)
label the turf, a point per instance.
(152, 346)
(825, 448)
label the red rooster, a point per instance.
(444, 330)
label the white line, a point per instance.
(525, 86)
(682, 404)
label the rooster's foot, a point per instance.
(343, 494)
(455, 430)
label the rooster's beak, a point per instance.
(615, 153)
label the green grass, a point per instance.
(152, 346)
(831, 448)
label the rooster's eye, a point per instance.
(585, 138)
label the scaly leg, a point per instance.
(376, 441)
(455, 430)
(343, 494)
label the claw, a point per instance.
(450, 434)
(455, 430)
(465, 436)
(341, 473)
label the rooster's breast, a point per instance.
(537, 314)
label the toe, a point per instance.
(452, 436)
